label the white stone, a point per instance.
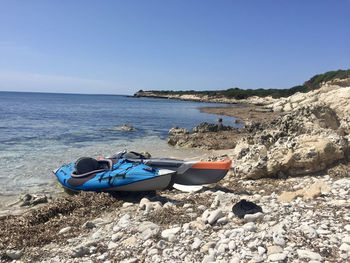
(97, 235)
(232, 245)
(65, 230)
(261, 250)
(124, 221)
(222, 220)
(346, 239)
(277, 257)
(166, 234)
(112, 245)
(143, 203)
(196, 243)
(345, 247)
(222, 248)
(116, 236)
(235, 259)
(249, 226)
(209, 258)
(347, 228)
(274, 250)
(253, 217)
(309, 255)
(279, 241)
(214, 216)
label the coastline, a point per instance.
(291, 158)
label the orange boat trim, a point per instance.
(220, 165)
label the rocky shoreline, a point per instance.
(206, 98)
(291, 158)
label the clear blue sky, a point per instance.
(119, 47)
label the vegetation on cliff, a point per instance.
(237, 93)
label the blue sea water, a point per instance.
(41, 131)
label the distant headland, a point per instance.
(250, 96)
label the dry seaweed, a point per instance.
(41, 226)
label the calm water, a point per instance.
(39, 132)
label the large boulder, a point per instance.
(289, 156)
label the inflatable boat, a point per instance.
(113, 175)
(187, 172)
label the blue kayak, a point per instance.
(112, 175)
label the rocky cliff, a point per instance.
(306, 133)
(313, 134)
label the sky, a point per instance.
(120, 47)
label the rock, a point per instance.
(345, 247)
(32, 200)
(196, 243)
(89, 225)
(117, 236)
(147, 225)
(274, 250)
(313, 191)
(143, 203)
(210, 127)
(347, 228)
(346, 239)
(249, 227)
(14, 254)
(253, 217)
(131, 241)
(279, 241)
(307, 254)
(176, 131)
(170, 233)
(127, 128)
(112, 245)
(232, 245)
(214, 216)
(262, 250)
(277, 257)
(64, 230)
(127, 204)
(80, 251)
(97, 235)
(205, 248)
(209, 258)
(124, 221)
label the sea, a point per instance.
(40, 132)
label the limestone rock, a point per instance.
(176, 130)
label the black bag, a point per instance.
(244, 207)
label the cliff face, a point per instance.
(306, 133)
(313, 134)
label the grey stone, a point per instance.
(14, 254)
(80, 251)
(196, 243)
